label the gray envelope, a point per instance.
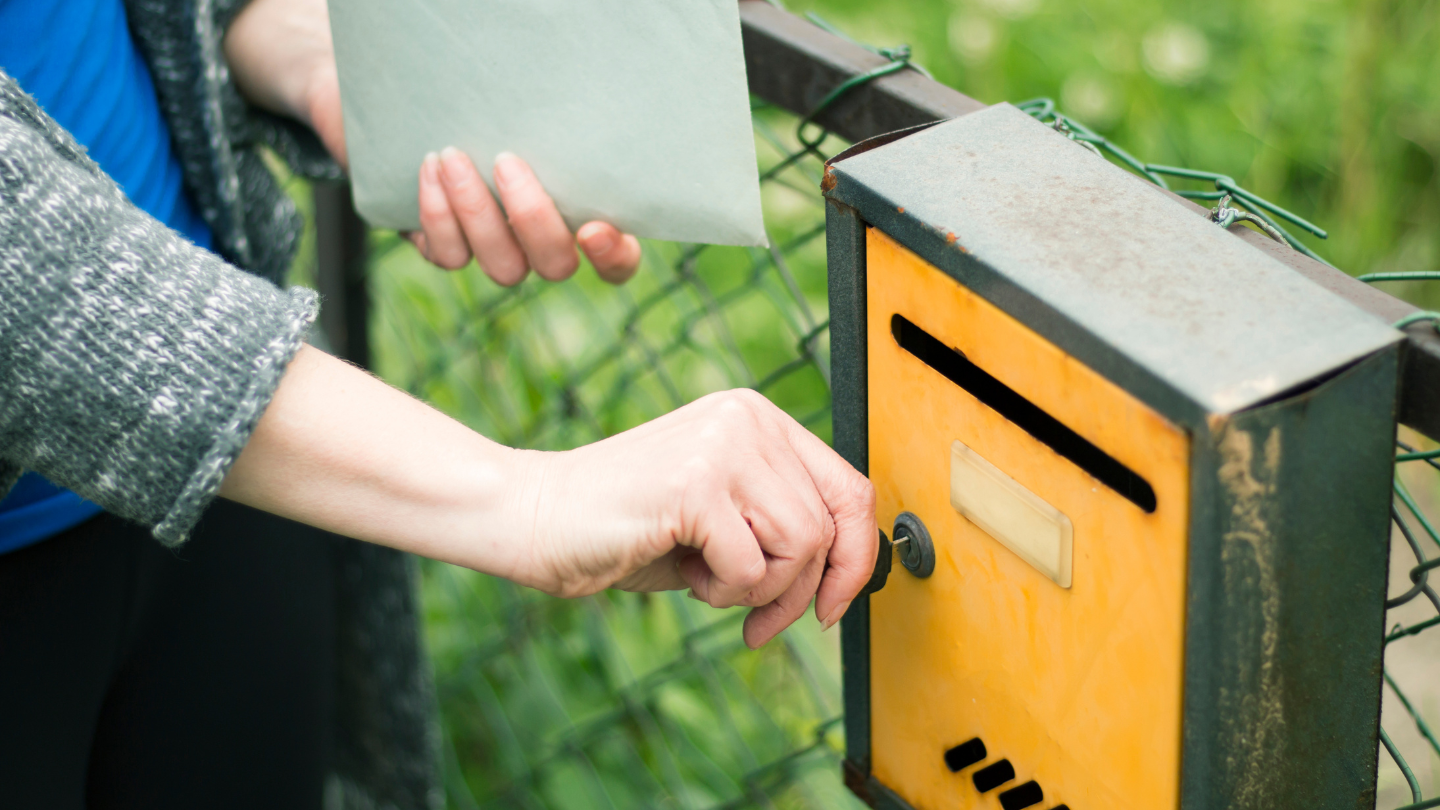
(635, 112)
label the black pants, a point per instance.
(134, 676)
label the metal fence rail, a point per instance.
(622, 700)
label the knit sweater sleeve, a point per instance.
(133, 365)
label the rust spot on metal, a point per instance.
(901, 209)
(827, 183)
(950, 237)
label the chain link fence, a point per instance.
(625, 700)
(1414, 609)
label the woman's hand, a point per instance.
(460, 218)
(727, 496)
(282, 58)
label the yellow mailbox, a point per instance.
(1138, 475)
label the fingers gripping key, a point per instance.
(882, 567)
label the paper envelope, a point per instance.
(634, 112)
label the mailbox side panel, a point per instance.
(1287, 592)
(845, 248)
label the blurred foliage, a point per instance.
(622, 701)
(1329, 108)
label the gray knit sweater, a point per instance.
(134, 365)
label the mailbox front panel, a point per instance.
(1079, 687)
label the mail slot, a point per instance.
(1153, 466)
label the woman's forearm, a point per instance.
(341, 450)
(727, 496)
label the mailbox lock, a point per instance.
(912, 541)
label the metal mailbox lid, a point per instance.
(1105, 265)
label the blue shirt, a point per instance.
(77, 59)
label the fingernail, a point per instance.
(507, 167)
(602, 243)
(446, 155)
(691, 593)
(835, 616)
(430, 167)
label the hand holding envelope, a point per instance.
(459, 217)
(634, 114)
(281, 56)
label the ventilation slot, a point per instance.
(964, 755)
(1027, 795)
(1024, 413)
(993, 776)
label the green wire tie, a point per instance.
(899, 57)
(1417, 317)
(1417, 275)
(900, 61)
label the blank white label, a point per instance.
(1021, 520)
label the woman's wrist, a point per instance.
(481, 513)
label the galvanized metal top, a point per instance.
(1109, 267)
